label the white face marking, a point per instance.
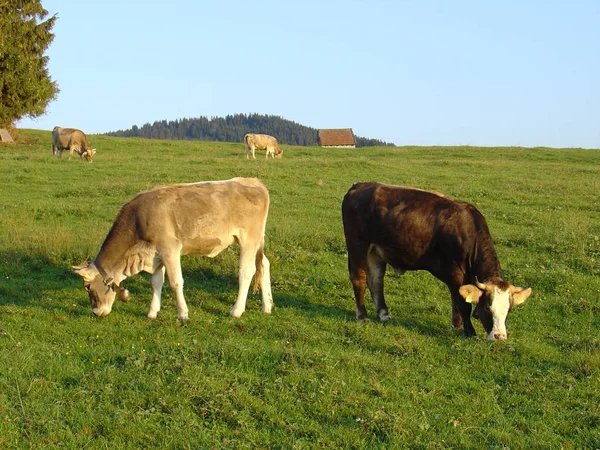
(499, 308)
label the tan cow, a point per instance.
(154, 228)
(73, 140)
(254, 142)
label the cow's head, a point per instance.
(493, 300)
(101, 290)
(89, 154)
(278, 153)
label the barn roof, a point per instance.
(337, 136)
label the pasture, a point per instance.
(309, 375)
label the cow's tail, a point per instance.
(259, 267)
(246, 146)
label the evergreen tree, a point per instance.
(232, 128)
(25, 85)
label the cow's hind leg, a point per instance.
(357, 270)
(375, 276)
(158, 279)
(247, 271)
(265, 286)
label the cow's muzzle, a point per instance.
(101, 312)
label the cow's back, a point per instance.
(412, 227)
(199, 215)
(69, 137)
(262, 141)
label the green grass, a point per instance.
(309, 375)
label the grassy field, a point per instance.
(309, 375)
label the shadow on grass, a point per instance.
(312, 309)
(33, 280)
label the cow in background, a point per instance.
(154, 228)
(265, 142)
(412, 229)
(73, 140)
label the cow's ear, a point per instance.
(470, 293)
(80, 266)
(85, 271)
(519, 295)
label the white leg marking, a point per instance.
(172, 264)
(247, 271)
(158, 279)
(265, 286)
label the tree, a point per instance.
(26, 88)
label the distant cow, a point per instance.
(411, 229)
(265, 142)
(154, 228)
(73, 140)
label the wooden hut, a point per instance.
(337, 137)
(5, 135)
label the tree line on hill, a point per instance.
(232, 128)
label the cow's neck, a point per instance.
(485, 264)
(112, 256)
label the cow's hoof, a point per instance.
(236, 314)
(385, 318)
(363, 319)
(152, 315)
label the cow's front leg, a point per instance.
(461, 312)
(172, 262)
(158, 279)
(247, 271)
(465, 312)
(375, 282)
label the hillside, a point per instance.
(232, 128)
(309, 375)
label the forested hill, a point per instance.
(232, 128)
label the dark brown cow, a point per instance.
(412, 229)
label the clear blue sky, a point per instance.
(489, 73)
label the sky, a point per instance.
(415, 72)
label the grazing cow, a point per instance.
(73, 140)
(154, 228)
(254, 142)
(412, 229)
